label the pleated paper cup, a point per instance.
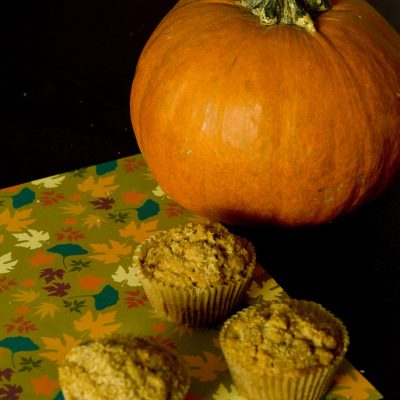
(269, 383)
(192, 306)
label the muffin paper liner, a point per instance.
(307, 384)
(192, 306)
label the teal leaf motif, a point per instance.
(18, 343)
(68, 249)
(59, 396)
(24, 197)
(103, 168)
(148, 209)
(106, 298)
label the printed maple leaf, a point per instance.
(102, 188)
(10, 392)
(135, 298)
(44, 386)
(32, 239)
(205, 368)
(92, 221)
(268, 290)
(102, 325)
(182, 330)
(50, 274)
(59, 289)
(26, 296)
(73, 209)
(110, 253)
(158, 192)
(351, 384)
(103, 203)
(91, 282)
(165, 342)
(6, 284)
(22, 310)
(224, 393)
(131, 278)
(139, 234)
(51, 197)
(46, 309)
(133, 198)
(50, 182)
(21, 325)
(58, 347)
(6, 374)
(29, 283)
(18, 221)
(69, 234)
(7, 263)
(41, 258)
(133, 164)
(174, 209)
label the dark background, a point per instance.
(66, 69)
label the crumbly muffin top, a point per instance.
(122, 367)
(200, 255)
(284, 336)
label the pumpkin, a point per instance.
(283, 112)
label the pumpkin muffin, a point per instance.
(195, 274)
(123, 367)
(283, 350)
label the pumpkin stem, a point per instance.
(287, 12)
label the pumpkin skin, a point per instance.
(248, 124)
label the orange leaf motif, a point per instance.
(110, 253)
(91, 282)
(102, 188)
(92, 221)
(58, 347)
(22, 310)
(99, 327)
(41, 258)
(138, 234)
(29, 283)
(17, 222)
(26, 296)
(352, 384)
(133, 198)
(44, 386)
(46, 309)
(70, 221)
(205, 368)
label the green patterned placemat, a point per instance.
(66, 244)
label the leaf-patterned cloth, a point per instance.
(66, 245)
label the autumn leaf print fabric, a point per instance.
(66, 244)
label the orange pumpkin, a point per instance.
(292, 123)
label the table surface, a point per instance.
(66, 70)
(66, 276)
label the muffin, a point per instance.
(123, 367)
(283, 350)
(195, 274)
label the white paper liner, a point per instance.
(299, 385)
(192, 306)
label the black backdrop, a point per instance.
(66, 68)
